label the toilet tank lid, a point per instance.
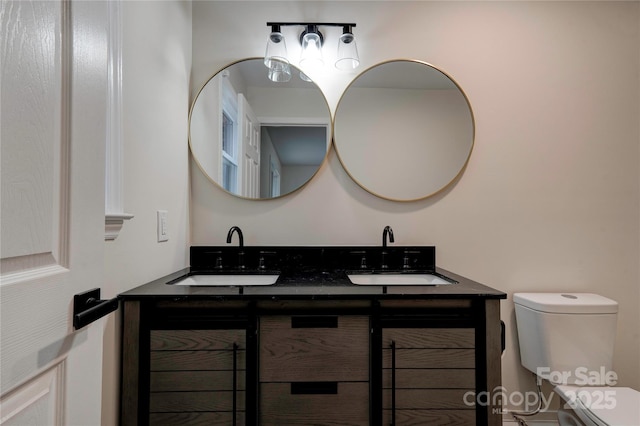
(567, 303)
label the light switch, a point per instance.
(163, 231)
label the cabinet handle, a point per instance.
(314, 322)
(314, 388)
(393, 383)
(234, 402)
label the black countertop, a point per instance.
(312, 285)
(312, 273)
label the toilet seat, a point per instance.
(603, 405)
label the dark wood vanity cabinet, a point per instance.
(197, 377)
(183, 365)
(426, 373)
(369, 362)
(314, 369)
(435, 357)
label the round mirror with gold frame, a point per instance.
(404, 130)
(255, 138)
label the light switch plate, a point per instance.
(163, 226)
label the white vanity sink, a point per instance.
(398, 279)
(227, 279)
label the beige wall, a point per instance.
(550, 198)
(156, 63)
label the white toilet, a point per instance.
(568, 339)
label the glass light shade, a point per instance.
(279, 74)
(311, 51)
(347, 58)
(276, 54)
(275, 58)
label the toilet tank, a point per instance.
(566, 338)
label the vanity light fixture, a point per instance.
(311, 40)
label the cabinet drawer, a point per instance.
(314, 348)
(171, 340)
(348, 407)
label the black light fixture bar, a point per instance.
(325, 24)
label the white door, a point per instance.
(250, 142)
(53, 114)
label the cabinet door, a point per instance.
(426, 374)
(197, 377)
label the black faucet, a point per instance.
(240, 244)
(240, 236)
(387, 232)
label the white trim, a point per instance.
(114, 205)
(113, 223)
(62, 158)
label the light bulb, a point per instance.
(311, 41)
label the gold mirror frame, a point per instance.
(368, 134)
(273, 105)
